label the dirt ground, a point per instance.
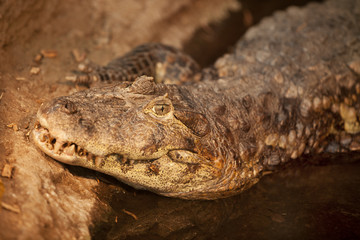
(41, 42)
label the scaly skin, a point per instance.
(166, 64)
(290, 88)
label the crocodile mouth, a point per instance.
(66, 151)
(69, 152)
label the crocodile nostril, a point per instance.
(69, 107)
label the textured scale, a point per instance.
(290, 88)
(166, 64)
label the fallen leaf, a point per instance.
(7, 171)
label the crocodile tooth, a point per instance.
(57, 146)
(47, 138)
(49, 146)
(81, 152)
(42, 137)
(123, 159)
(89, 156)
(70, 150)
(98, 161)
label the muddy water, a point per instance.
(300, 202)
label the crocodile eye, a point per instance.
(161, 109)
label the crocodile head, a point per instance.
(144, 134)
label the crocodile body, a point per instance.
(290, 88)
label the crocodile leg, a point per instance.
(166, 64)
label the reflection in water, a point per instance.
(303, 202)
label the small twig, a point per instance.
(34, 70)
(49, 53)
(79, 57)
(71, 78)
(131, 214)
(14, 126)
(13, 208)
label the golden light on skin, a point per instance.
(274, 106)
(348, 114)
(272, 139)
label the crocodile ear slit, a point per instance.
(196, 122)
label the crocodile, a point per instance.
(290, 88)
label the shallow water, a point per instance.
(302, 202)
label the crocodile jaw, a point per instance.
(63, 151)
(162, 175)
